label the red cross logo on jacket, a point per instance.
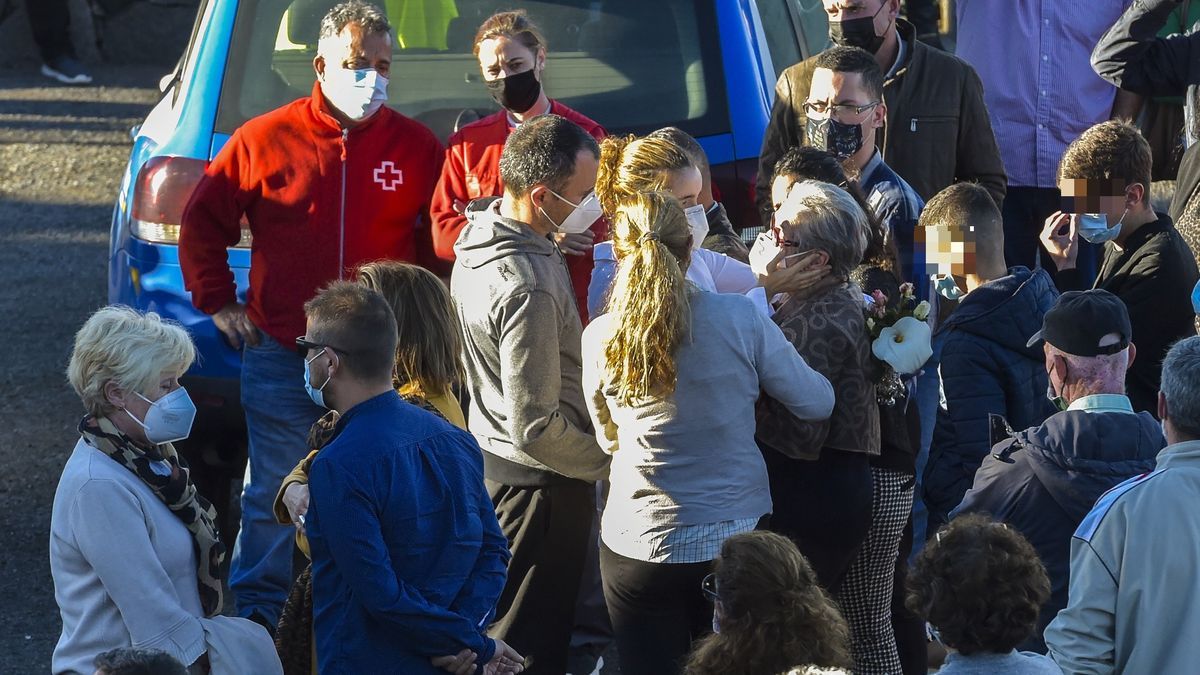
(388, 176)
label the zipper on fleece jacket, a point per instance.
(342, 218)
(570, 282)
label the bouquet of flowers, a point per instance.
(900, 338)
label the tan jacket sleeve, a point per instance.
(298, 475)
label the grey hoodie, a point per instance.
(521, 350)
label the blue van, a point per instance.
(706, 66)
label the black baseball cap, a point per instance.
(1079, 320)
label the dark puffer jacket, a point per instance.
(1044, 480)
(986, 369)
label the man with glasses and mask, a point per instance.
(1104, 177)
(845, 110)
(326, 183)
(936, 130)
(408, 558)
(522, 335)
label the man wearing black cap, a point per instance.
(1044, 480)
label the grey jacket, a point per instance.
(521, 333)
(1134, 592)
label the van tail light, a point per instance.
(164, 186)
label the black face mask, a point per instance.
(517, 92)
(857, 32)
(832, 136)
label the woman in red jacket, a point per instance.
(512, 56)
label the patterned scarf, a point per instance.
(167, 474)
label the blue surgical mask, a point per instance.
(1196, 298)
(1060, 403)
(317, 394)
(1093, 227)
(947, 287)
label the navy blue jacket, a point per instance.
(986, 368)
(408, 558)
(1044, 480)
(898, 208)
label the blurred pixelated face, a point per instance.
(1093, 196)
(949, 249)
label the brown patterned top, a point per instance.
(829, 331)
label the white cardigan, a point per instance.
(124, 570)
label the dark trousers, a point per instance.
(824, 506)
(909, 628)
(51, 22)
(657, 610)
(547, 529)
(1025, 212)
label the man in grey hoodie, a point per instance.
(522, 335)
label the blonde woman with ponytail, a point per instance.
(671, 373)
(630, 166)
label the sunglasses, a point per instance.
(304, 346)
(709, 587)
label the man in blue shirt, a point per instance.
(408, 558)
(844, 110)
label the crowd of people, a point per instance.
(943, 412)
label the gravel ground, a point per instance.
(62, 152)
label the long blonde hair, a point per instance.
(631, 165)
(649, 297)
(429, 347)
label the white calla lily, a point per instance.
(904, 346)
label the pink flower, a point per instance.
(906, 290)
(879, 297)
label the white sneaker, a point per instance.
(66, 70)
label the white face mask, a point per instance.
(765, 249)
(168, 419)
(698, 223)
(581, 217)
(358, 94)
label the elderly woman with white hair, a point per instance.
(134, 550)
(820, 474)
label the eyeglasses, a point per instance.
(842, 112)
(709, 587)
(304, 346)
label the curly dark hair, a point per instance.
(774, 614)
(981, 584)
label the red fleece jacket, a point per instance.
(472, 170)
(320, 201)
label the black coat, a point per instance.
(1153, 273)
(1044, 480)
(1133, 57)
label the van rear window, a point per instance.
(632, 65)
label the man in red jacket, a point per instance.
(512, 56)
(326, 182)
